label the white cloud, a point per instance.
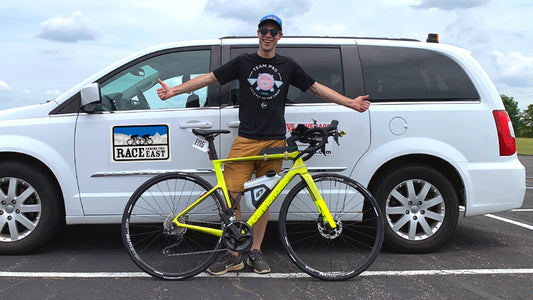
(70, 30)
(4, 86)
(52, 93)
(450, 4)
(515, 69)
(252, 11)
(470, 29)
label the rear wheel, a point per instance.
(420, 207)
(155, 244)
(331, 253)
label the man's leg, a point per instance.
(255, 257)
(235, 175)
(259, 227)
(261, 169)
(259, 230)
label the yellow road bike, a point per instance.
(175, 224)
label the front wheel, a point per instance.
(331, 253)
(155, 243)
(30, 207)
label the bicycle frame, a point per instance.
(298, 168)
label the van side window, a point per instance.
(411, 74)
(323, 64)
(135, 87)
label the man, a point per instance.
(264, 80)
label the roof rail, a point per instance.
(333, 37)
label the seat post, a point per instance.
(212, 150)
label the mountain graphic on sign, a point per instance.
(121, 139)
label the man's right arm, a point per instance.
(166, 91)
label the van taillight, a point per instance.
(506, 136)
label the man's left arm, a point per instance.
(360, 104)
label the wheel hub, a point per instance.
(170, 227)
(326, 231)
(10, 209)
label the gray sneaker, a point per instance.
(228, 262)
(257, 261)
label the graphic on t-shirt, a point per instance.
(265, 81)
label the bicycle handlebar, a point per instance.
(316, 137)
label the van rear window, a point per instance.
(411, 74)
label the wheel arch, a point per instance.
(434, 162)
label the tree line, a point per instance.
(522, 120)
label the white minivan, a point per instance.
(435, 139)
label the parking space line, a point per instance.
(268, 276)
(530, 227)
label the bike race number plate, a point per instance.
(201, 144)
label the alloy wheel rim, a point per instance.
(20, 209)
(415, 210)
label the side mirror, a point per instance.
(90, 97)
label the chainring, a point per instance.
(238, 236)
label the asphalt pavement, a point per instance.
(489, 257)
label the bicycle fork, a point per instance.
(318, 200)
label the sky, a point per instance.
(48, 46)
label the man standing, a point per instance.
(264, 80)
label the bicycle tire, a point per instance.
(154, 243)
(322, 252)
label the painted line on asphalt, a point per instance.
(270, 275)
(530, 227)
(522, 210)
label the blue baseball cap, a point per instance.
(272, 18)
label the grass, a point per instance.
(524, 146)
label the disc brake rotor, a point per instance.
(326, 231)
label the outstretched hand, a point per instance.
(164, 92)
(360, 104)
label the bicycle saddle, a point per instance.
(209, 133)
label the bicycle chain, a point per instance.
(201, 252)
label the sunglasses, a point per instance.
(273, 32)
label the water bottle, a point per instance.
(257, 189)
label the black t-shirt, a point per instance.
(263, 87)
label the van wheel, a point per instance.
(30, 210)
(420, 208)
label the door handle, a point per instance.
(196, 124)
(234, 124)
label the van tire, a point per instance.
(417, 196)
(30, 207)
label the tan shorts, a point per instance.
(237, 173)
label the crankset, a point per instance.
(238, 236)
